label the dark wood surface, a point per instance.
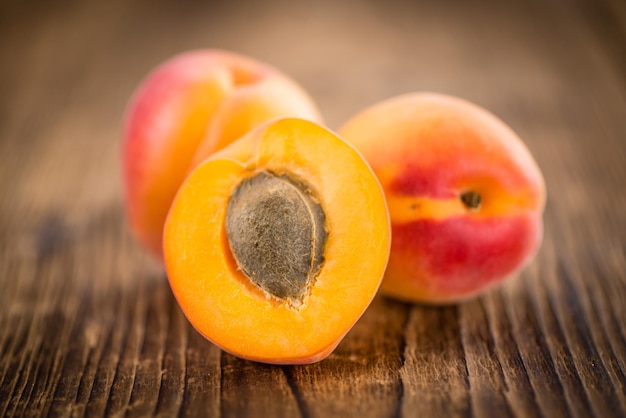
(88, 324)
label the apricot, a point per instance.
(188, 108)
(275, 245)
(465, 196)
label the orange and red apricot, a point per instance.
(188, 108)
(275, 245)
(465, 196)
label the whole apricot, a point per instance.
(465, 196)
(276, 245)
(189, 107)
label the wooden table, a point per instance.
(88, 324)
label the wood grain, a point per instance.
(88, 324)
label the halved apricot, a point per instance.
(276, 245)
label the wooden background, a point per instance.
(88, 325)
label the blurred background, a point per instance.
(554, 70)
(69, 67)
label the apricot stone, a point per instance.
(276, 232)
(465, 196)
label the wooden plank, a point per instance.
(203, 378)
(362, 376)
(434, 373)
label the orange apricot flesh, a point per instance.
(465, 196)
(275, 245)
(188, 108)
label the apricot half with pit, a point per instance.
(276, 245)
(465, 195)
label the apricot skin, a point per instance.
(185, 110)
(427, 151)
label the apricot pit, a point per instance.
(276, 233)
